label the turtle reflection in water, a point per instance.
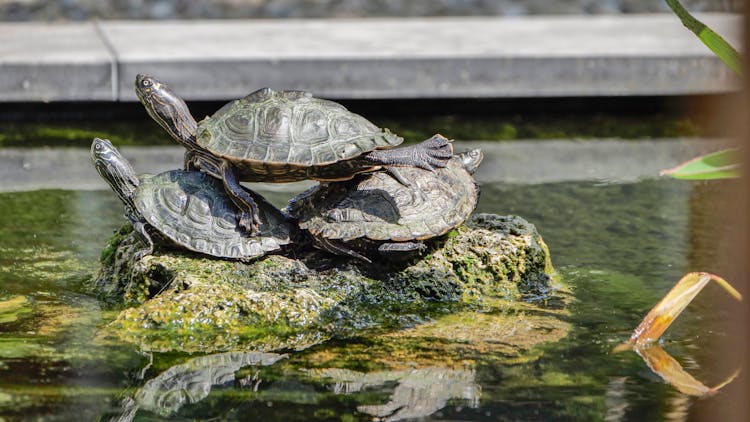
(283, 136)
(192, 381)
(188, 208)
(375, 214)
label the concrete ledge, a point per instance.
(373, 58)
(54, 62)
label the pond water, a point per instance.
(620, 246)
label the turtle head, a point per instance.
(471, 159)
(167, 108)
(115, 170)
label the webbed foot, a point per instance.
(434, 152)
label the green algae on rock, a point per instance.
(14, 308)
(183, 301)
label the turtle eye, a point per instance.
(146, 83)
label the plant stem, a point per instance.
(711, 39)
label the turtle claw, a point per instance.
(140, 254)
(434, 152)
(445, 151)
(248, 222)
(427, 166)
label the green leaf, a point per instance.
(722, 49)
(711, 39)
(723, 164)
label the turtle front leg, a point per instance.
(139, 228)
(198, 160)
(195, 160)
(247, 215)
(428, 154)
(144, 237)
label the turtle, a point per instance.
(282, 136)
(375, 214)
(189, 209)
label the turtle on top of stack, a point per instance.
(283, 136)
(423, 192)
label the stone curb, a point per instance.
(491, 57)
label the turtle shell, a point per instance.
(377, 207)
(192, 209)
(289, 128)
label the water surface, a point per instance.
(620, 246)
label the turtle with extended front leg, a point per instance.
(375, 215)
(283, 136)
(189, 209)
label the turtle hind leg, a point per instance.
(338, 248)
(401, 250)
(428, 154)
(247, 215)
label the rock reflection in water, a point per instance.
(191, 382)
(418, 393)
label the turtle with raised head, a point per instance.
(282, 136)
(189, 209)
(374, 214)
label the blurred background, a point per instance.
(577, 105)
(23, 10)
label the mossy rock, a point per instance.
(181, 301)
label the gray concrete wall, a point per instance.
(373, 58)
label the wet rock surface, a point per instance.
(179, 301)
(19, 10)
